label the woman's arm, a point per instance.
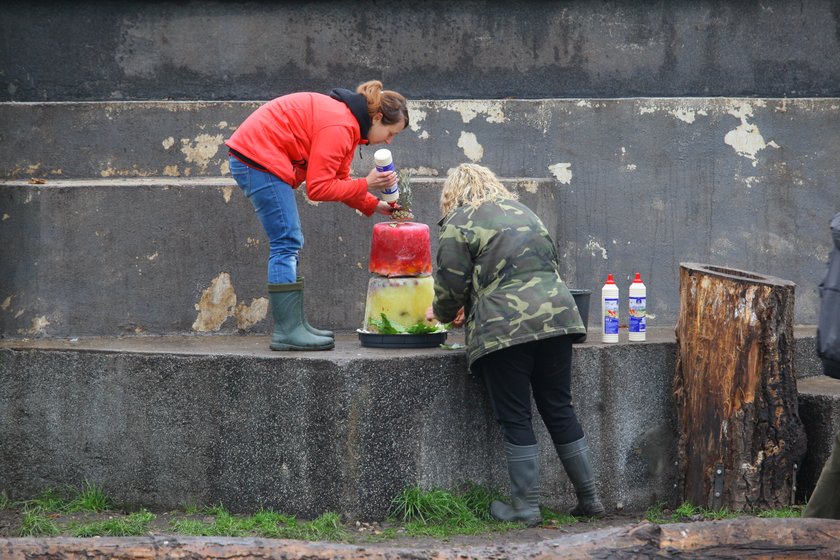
(453, 278)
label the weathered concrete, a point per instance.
(625, 185)
(204, 420)
(163, 421)
(87, 50)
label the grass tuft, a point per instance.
(36, 523)
(132, 525)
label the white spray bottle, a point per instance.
(637, 309)
(609, 311)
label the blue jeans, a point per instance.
(274, 202)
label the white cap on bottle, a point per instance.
(382, 157)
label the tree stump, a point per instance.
(740, 435)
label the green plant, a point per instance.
(48, 500)
(785, 512)
(89, 498)
(36, 524)
(386, 326)
(440, 514)
(325, 527)
(549, 515)
(656, 513)
(134, 524)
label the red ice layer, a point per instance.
(400, 249)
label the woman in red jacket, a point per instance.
(310, 137)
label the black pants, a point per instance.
(544, 366)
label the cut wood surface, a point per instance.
(734, 538)
(740, 435)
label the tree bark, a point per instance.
(740, 435)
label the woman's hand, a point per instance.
(457, 322)
(459, 319)
(385, 208)
(380, 180)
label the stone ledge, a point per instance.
(163, 421)
(819, 408)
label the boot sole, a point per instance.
(300, 348)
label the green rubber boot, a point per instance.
(310, 328)
(290, 332)
(524, 472)
(576, 460)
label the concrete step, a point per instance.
(167, 421)
(112, 257)
(625, 185)
(819, 407)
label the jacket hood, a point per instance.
(358, 106)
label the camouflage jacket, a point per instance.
(499, 262)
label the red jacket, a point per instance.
(307, 137)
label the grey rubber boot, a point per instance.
(290, 332)
(310, 328)
(524, 472)
(576, 460)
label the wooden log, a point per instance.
(740, 435)
(733, 538)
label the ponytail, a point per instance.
(392, 105)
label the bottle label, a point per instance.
(638, 312)
(610, 315)
(389, 167)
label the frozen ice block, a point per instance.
(402, 300)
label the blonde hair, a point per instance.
(470, 184)
(392, 105)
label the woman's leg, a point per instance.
(552, 385)
(552, 382)
(275, 205)
(507, 375)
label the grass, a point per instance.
(415, 512)
(132, 525)
(688, 512)
(441, 514)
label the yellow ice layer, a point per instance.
(402, 300)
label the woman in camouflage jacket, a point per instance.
(497, 260)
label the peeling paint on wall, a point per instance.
(415, 117)
(202, 149)
(472, 149)
(529, 186)
(153, 256)
(562, 172)
(470, 109)
(424, 171)
(38, 326)
(215, 305)
(227, 193)
(6, 217)
(252, 242)
(249, 315)
(6, 303)
(594, 247)
(746, 139)
(168, 143)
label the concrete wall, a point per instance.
(222, 419)
(137, 219)
(95, 50)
